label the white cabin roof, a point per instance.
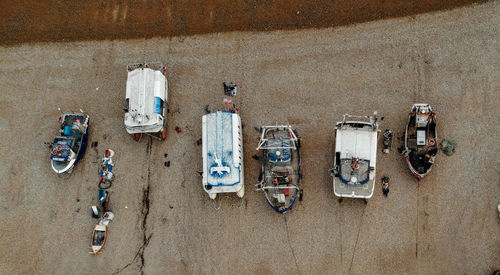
(222, 151)
(357, 142)
(143, 86)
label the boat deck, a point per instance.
(281, 176)
(430, 133)
(356, 142)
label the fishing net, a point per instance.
(448, 147)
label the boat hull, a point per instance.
(354, 172)
(271, 190)
(61, 167)
(65, 168)
(420, 148)
(99, 236)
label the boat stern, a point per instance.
(61, 167)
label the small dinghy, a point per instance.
(68, 148)
(421, 140)
(281, 173)
(99, 238)
(100, 233)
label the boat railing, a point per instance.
(372, 118)
(291, 134)
(281, 187)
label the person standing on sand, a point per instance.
(385, 185)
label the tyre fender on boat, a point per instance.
(431, 142)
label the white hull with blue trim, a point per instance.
(355, 157)
(222, 152)
(68, 148)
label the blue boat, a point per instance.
(69, 146)
(281, 173)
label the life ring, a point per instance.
(57, 149)
(431, 142)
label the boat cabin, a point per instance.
(146, 96)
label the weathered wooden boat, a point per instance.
(100, 233)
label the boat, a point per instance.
(355, 156)
(222, 153)
(280, 176)
(69, 146)
(146, 99)
(99, 236)
(100, 233)
(421, 140)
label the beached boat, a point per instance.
(421, 140)
(146, 96)
(69, 146)
(100, 233)
(281, 173)
(222, 152)
(355, 157)
(99, 236)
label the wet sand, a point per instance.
(73, 20)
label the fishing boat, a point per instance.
(281, 173)
(355, 156)
(146, 98)
(420, 140)
(100, 233)
(222, 153)
(69, 146)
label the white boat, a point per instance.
(355, 157)
(421, 140)
(146, 96)
(281, 173)
(69, 146)
(222, 152)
